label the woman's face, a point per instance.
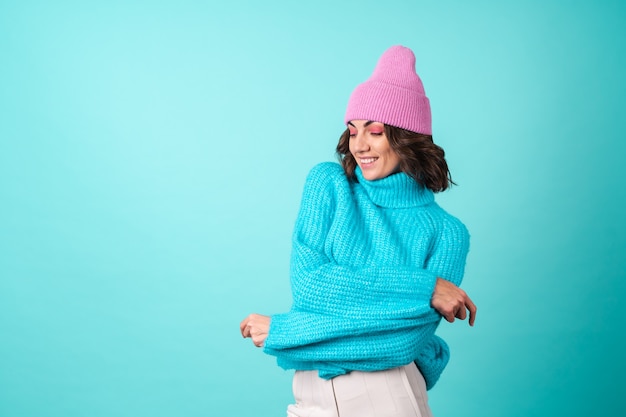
(371, 150)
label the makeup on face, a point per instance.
(371, 149)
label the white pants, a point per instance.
(398, 392)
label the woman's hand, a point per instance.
(256, 327)
(451, 301)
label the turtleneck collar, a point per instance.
(395, 191)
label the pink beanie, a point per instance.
(393, 95)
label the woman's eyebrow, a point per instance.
(369, 122)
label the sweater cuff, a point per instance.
(429, 285)
(273, 341)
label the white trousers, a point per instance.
(398, 392)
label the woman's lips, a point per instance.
(367, 162)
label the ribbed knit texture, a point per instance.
(393, 95)
(365, 260)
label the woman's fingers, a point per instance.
(256, 327)
(461, 313)
(452, 302)
(243, 326)
(472, 309)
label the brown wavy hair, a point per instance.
(420, 158)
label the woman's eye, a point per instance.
(377, 133)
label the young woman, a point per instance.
(375, 262)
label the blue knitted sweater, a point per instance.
(364, 264)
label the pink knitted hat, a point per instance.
(393, 95)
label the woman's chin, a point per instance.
(371, 176)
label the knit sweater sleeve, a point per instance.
(447, 261)
(450, 252)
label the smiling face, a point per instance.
(371, 150)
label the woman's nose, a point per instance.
(360, 143)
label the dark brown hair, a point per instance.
(420, 158)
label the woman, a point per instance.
(375, 262)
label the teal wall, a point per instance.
(152, 156)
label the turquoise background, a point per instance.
(152, 156)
